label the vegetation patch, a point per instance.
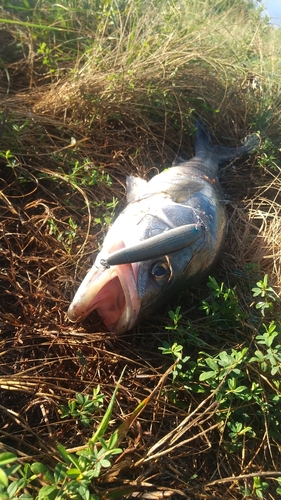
(187, 405)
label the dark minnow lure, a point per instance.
(166, 239)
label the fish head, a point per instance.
(120, 294)
(124, 293)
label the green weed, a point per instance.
(83, 407)
(71, 478)
(230, 374)
(74, 473)
(268, 356)
(268, 155)
(87, 174)
(257, 490)
(223, 305)
(47, 57)
(108, 211)
(266, 294)
(65, 236)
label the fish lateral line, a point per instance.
(157, 246)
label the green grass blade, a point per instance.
(124, 427)
(105, 421)
(34, 25)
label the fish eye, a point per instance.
(161, 272)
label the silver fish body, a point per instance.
(165, 240)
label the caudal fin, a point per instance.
(203, 142)
(203, 145)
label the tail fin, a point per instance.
(203, 142)
(203, 145)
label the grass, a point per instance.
(91, 92)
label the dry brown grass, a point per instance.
(45, 360)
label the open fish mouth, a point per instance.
(113, 293)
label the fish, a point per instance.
(165, 240)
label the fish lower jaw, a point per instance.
(125, 322)
(120, 311)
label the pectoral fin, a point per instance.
(135, 188)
